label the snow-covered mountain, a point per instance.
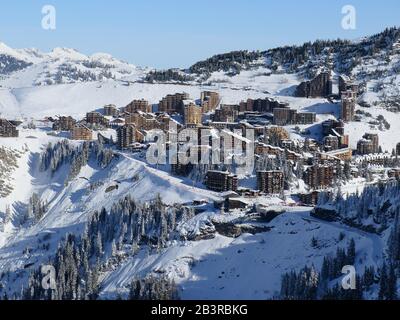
(373, 62)
(105, 218)
(30, 67)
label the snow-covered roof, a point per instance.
(371, 157)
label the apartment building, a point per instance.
(127, 135)
(110, 110)
(270, 182)
(346, 84)
(221, 181)
(368, 144)
(287, 116)
(192, 113)
(319, 176)
(305, 118)
(320, 86)
(284, 116)
(348, 106)
(266, 105)
(332, 127)
(209, 101)
(331, 143)
(138, 105)
(226, 113)
(173, 103)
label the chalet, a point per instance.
(64, 123)
(233, 203)
(7, 129)
(96, 118)
(81, 132)
(117, 122)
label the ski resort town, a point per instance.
(279, 160)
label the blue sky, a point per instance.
(177, 33)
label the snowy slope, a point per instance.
(69, 206)
(62, 65)
(219, 268)
(248, 267)
(65, 81)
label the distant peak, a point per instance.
(61, 52)
(6, 50)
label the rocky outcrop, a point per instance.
(204, 232)
(269, 215)
(325, 214)
(233, 230)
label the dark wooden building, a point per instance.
(64, 123)
(270, 182)
(221, 181)
(320, 86)
(7, 129)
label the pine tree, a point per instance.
(314, 242)
(383, 283)
(351, 252)
(392, 284)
